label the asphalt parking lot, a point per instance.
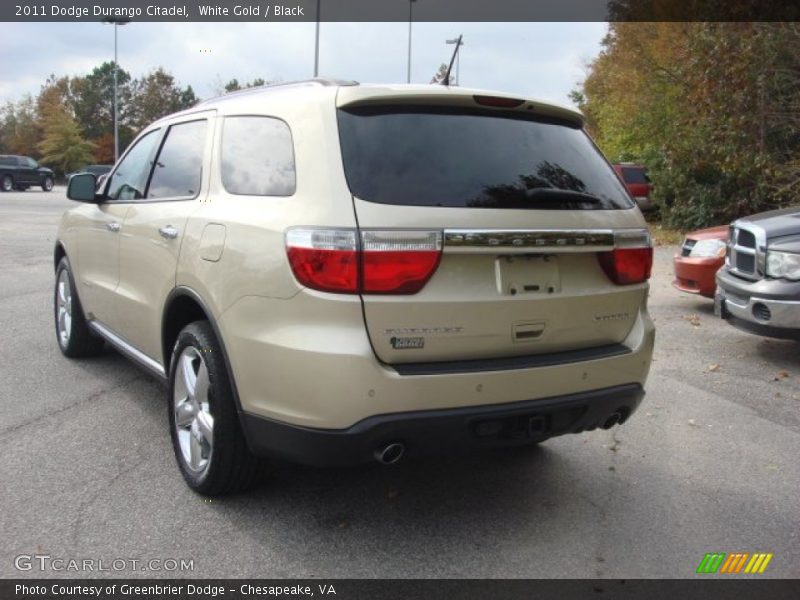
(708, 464)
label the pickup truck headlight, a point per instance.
(708, 249)
(785, 265)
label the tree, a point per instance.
(93, 101)
(19, 133)
(157, 95)
(440, 74)
(63, 146)
(710, 108)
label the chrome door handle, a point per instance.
(168, 232)
(113, 226)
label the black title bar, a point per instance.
(707, 588)
(400, 10)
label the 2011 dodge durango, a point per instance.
(335, 273)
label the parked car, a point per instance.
(638, 183)
(97, 170)
(758, 288)
(701, 256)
(335, 273)
(22, 172)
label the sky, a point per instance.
(539, 60)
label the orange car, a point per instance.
(701, 256)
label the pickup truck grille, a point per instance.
(744, 255)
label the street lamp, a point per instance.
(410, 20)
(316, 45)
(116, 21)
(459, 42)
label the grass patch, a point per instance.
(663, 236)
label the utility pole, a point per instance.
(410, 21)
(116, 22)
(316, 45)
(459, 42)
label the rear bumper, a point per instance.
(696, 275)
(317, 370)
(437, 431)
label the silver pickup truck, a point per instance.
(758, 288)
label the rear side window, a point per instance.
(257, 157)
(424, 156)
(634, 175)
(179, 167)
(8, 161)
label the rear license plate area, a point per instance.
(536, 274)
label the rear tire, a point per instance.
(209, 444)
(47, 184)
(72, 332)
(7, 183)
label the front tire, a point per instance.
(47, 184)
(7, 183)
(209, 445)
(72, 332)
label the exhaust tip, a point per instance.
(390, 454)
(613, 419)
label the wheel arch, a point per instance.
(183, 306)
(58, 253)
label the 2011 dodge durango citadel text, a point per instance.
(334, 273)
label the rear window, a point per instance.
(424, 156)
(634, 175)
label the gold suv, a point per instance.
(334, 273)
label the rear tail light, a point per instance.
(377, 262)
(631, 261)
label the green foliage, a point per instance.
(710, 108)
(156, 96)
(63, 146)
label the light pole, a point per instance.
(316, 45)
(116, 21)
(410, 21)
(459, 42)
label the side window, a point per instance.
(7, 161)
(29, 162)
(257, 157)
(179, 166)
(129, 180)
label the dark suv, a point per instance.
(21, 172)
(758, 289)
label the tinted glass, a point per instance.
(29, 162)
(179, 166)
(634, 175)
(432, 157)
(8, 161)
(97, 169)
(257, 157)
(130, 178)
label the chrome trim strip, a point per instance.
(759, 252)
(125, 348)
(526, 240)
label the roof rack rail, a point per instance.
(323, 81)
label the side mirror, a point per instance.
(81, 187)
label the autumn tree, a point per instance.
(711, 108)
(63, 146)
(157, 95)
(19, 129)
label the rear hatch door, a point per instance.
(523, 203)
